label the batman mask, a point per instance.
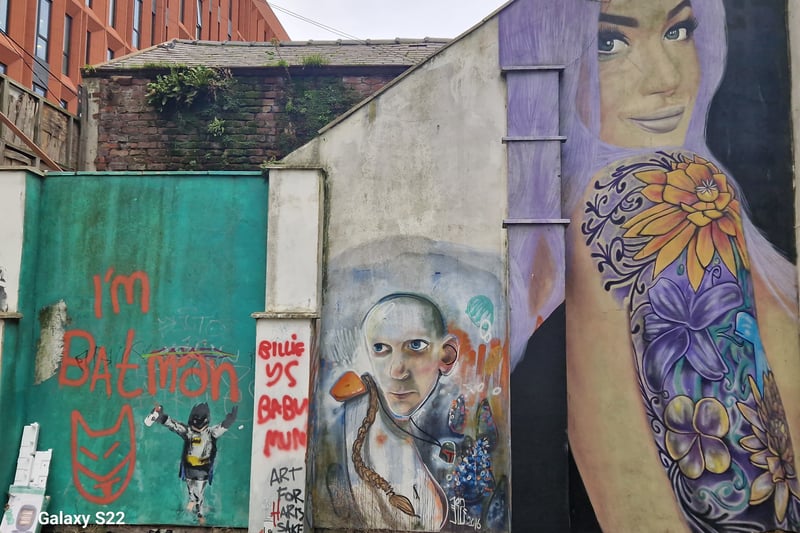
(198, 418)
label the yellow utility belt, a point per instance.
(196, 461)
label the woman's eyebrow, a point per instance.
(619, 20)
(675, 10)
(633, 23)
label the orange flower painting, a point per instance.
(771, 449)
(695, 210)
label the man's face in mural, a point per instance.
(409, 350)
(649, 72)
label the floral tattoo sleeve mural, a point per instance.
(666, 235)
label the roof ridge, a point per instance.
(312, 42)
(243, 54)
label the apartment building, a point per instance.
(45, 43)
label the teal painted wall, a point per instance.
(159, 275)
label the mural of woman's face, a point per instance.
(649, 72)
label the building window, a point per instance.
(88, 3)
(230, 19)
(67, 42)
(153, 24)
(63, 104)
(198, 30)
(181, 9)
(112, 12)
(2, 68)
(88, 48)
(38, 89)
(4, 16)
(43, 29)
(136, 37)
(109, 54)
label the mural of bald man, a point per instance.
(409, 349)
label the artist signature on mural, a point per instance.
(461, 515)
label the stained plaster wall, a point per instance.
(415, 200)
(400, 163)
(12, 205)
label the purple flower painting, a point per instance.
(677, 327)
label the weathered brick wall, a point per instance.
(132, 135)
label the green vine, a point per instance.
(308, 105)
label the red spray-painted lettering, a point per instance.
(100, 368)
(281, 373)
(294, 439)
(127, 283)
(192, 375)
(275, 371)
(267, 349)
(162, 372)
(288, 408)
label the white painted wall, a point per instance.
(277, 467)
(293, 238)
(285, 333)
(12, 207)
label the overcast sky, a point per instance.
(381, 19)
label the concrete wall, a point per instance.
(286, 339)
(415, 202)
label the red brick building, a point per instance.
(44, 43)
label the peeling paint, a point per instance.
(52, 320)
(3, 294)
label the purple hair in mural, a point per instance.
(660, 226)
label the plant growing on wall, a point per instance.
(314, 60)
(197, 102)
(216, 128)
(184, 87)
(309, 104)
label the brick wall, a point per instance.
(132, 135)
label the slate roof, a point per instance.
(234, 54)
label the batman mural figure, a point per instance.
(199, 448)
